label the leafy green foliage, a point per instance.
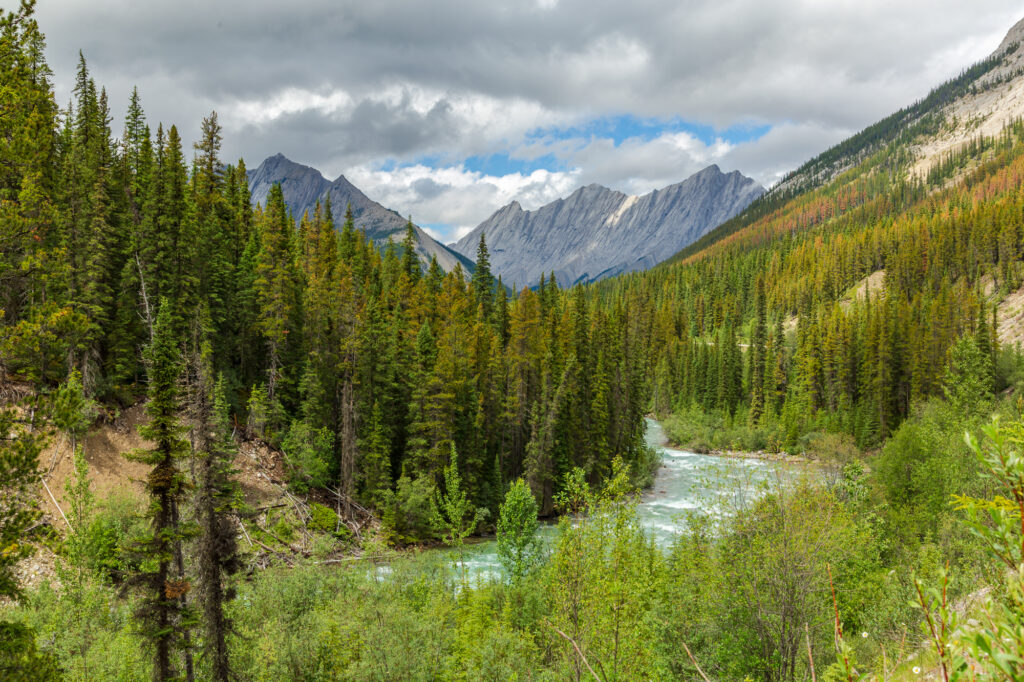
(19, 459)
(322, 518)
(518, 545)
(308, 453)
(410, 512)
(20, 659)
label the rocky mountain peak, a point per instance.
(303, 186)
(597, 232)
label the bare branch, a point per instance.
(694, 661)
(577, 648)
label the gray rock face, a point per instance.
(597, 232)
(304, 186)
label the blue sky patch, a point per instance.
(504, 164)
(624, 127)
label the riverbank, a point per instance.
(659, 437)
(783, 457)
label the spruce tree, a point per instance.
(215, 498)
(162, 611)
(410, 261)
(275, 286)
(483, 280)
(375, 462)
(758, 352)
(19, 462)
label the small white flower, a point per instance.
(864, 635)
(917, 670)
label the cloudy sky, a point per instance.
(446, 110)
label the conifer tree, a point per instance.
(162, 611)
(410, 261)
(19, 462)
(275, 286)
(483, 280)
(375, 462)
(216, 496)
(758, 351)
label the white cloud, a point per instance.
(459, 232)
(289, 101)
(432, 232)
(462, 198)
(456, 196)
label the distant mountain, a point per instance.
(597, 232)
(304, 186)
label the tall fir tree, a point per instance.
(165, 618)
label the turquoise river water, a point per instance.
(684, 482)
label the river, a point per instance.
(684, 482)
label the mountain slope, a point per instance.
(304, 186)
(846, 292)
(597, 232)
(925, 142)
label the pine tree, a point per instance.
(275, 286)
(162, 611)
(758, 352)
(483, 280)
(19, 462)
(410, 261)
(375, 462)
(216, 496)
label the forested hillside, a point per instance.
(835, 309)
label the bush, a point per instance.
(110, 532)
(322, 518)
(308, 453)
(283, 530)
(921, 465)
(699, 431)
(409, 512)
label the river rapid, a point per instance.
(685, 482)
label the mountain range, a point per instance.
(303, 186)
(598, 232)
(593, 233)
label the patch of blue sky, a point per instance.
(437, 228)
(497, 164)
(626, 126)
(503, 163)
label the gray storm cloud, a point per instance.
(353, 87)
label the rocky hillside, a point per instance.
(981, 100)
(597, 232)
(304, 186)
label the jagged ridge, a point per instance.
(303, 186)
(598, 232)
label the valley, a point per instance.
(256, 425)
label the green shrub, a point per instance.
(283, 529)
(308, 453)
(322, 518)
(409, 513)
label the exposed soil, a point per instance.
(260, 468)
(1011, 318)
